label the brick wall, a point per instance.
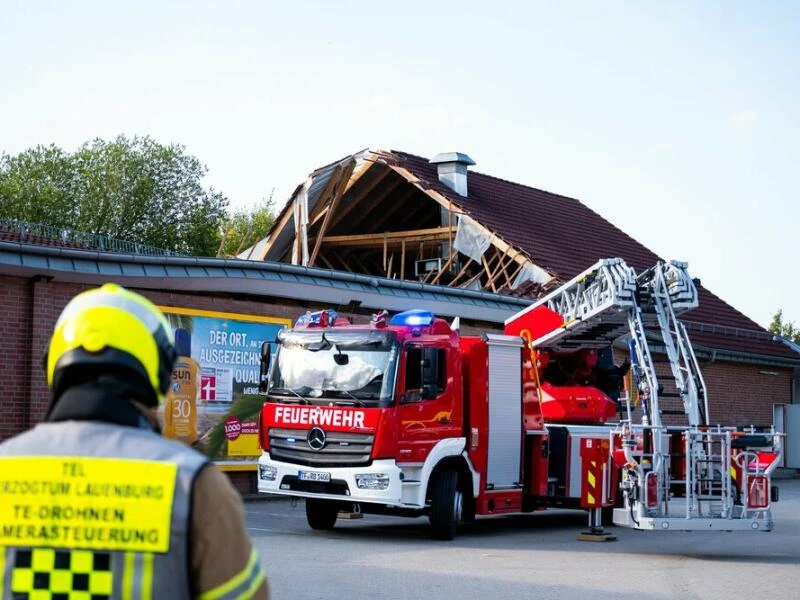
(15, 330)
(740, 394)
(744, 394)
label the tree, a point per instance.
(243, 228)
(787, 330)
(132, 189)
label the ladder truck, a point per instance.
(687, 475)
(406, 416)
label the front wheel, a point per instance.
(321, 514)
(447, 504)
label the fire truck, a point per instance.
(406, 416)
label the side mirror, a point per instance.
(263, 374)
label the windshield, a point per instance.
(347, 367)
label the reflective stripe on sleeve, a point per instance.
(127, 576)
(147, 575)
(242, 585)
(137, 576)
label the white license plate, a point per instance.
(313, 476)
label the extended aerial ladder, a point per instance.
(685, 475)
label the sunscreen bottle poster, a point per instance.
(180, 406)
(219, 359)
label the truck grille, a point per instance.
(341, 449)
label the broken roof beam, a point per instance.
(445, 202)
(283, 221)
(391, 238)
(337, 192)
(358, 170)
(287, 213)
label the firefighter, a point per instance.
(94, 499)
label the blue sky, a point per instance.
(679, 122)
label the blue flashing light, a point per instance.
(321, 318)
(412, 318)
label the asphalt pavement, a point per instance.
(527, 556)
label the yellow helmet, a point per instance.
(115, 328)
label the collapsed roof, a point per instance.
(396, 215)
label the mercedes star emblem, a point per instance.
(316, 438)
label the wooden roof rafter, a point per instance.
(499, 243)
(370, 193)
(336, 195)
(282, 222)
(393, 238)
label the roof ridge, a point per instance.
(495, 177)
(543, 191)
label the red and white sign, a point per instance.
(208, 387)
(233, 427)
(331, 418)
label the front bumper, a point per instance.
(755, 521)
(342, 485)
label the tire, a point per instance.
(447, 504)
(321, 514)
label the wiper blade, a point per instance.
(287, 391)
(349, 403)
(353, 402)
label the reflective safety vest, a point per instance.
(94, 510)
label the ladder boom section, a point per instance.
(594, 306)
(666, 290)
(692, 476)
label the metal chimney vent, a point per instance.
(452, 168)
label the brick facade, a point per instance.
(15, 335)
(744, 394)
(741, 394)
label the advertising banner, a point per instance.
(242, 437)
(219, 358)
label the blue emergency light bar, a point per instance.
(320, 318)
(412, 318)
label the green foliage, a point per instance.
(787, 330)
(247, 408)
(180, 321)
(132, 189)
(243, 228)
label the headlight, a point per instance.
(372, 481)
(267, 472)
